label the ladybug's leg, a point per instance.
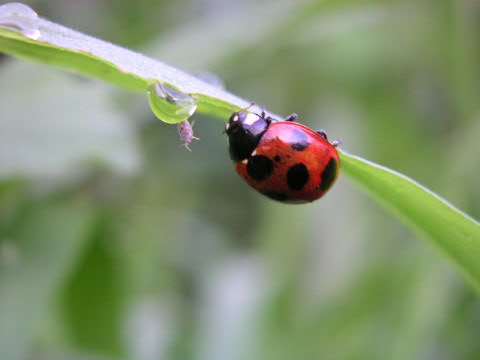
(323, 134)
(336, 142)
(269, 120)
(263, 113)
(262, 110)
(292, 117)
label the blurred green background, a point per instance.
(117, 243)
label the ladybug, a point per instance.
(283, 160)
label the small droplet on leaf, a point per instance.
(20, 18)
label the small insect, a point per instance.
(185, 131)
(283, 160)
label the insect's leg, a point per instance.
(323, 134)
(292, 117)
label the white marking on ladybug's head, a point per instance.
(245, 162)
(251, 119)
(235, 117)
(254, 153)
(227, 126)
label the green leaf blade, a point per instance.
(72, 50)
(450, 229)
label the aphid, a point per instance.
(185, 131)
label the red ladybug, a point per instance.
(283, 160)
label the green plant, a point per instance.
(27, 36)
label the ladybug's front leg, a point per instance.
(292, 117)
(323, 134)
(263, 115)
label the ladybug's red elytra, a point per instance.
(283, 160)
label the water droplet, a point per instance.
(20, 18)
(169, 104)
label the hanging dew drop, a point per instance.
(21, 19)
(169, 104)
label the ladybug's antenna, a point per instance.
(246, 108)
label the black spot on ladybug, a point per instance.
(277, 158)
(297, 176)
(328, 174)
(276, 195)
(299, 140)
(259, 167)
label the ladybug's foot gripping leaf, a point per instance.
(323, 134)
(292, 117)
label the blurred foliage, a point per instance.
(115, 242)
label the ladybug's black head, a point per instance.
(244, 131)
